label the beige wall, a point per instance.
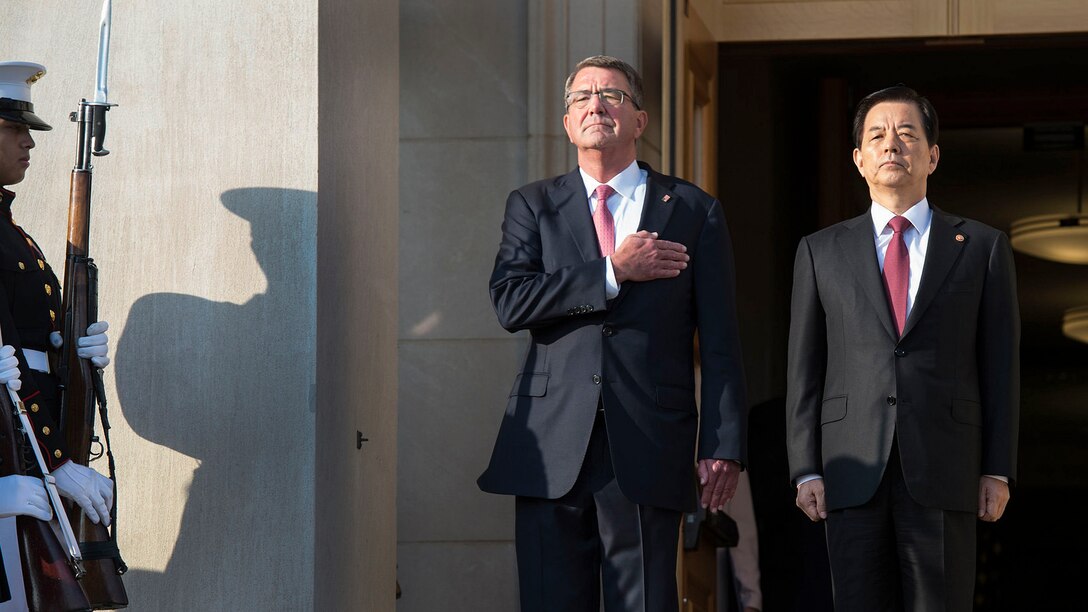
(206, 230)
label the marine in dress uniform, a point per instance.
(30, 309)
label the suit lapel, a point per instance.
(659, 203)
(941, 255)
(859, 252)
(569, 197)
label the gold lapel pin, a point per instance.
(959, 238)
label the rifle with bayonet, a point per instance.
(82, 389)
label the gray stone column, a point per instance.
(357, 301)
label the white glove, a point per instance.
(9, 368)
(95, 345)
(24, 495)
(91, 490)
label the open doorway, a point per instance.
(785, 171)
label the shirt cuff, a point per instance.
(1004, 479)
(611, 287)
(807, 477)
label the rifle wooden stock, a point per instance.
(102, 583)
(77, 408)
(50, 584)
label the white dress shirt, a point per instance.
(626, 208)
(916, 238)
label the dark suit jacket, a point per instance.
(949, 388)
(634, 353)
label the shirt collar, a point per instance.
(919, 216)
(624, 183)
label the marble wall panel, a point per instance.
(458, 577)
(451, 206)
(452, 397)
(463, 71)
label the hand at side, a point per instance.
(718, 478)
(810, 499)
(993, 494)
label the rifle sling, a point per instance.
(92, 551)
(106, 549)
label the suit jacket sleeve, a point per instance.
(806, 367)
(527, 293)
(999, 362)
(723, 422)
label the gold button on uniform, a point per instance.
(48, 289)
(56, 454)
(46, 430)
(52, 316)
(22, 266)
(33, 407)
(41, 264)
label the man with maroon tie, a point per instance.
(612, 269)
(903, 378)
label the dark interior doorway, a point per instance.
(785, 171)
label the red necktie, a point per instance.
(602, 220)
(897, 271)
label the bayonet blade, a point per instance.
(100, 94)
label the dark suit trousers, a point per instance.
(594, 541)
(893, 554)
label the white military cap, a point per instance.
(15, 81)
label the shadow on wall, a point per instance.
(230, 385)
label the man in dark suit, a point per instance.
(613, 268)
(903, 396)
